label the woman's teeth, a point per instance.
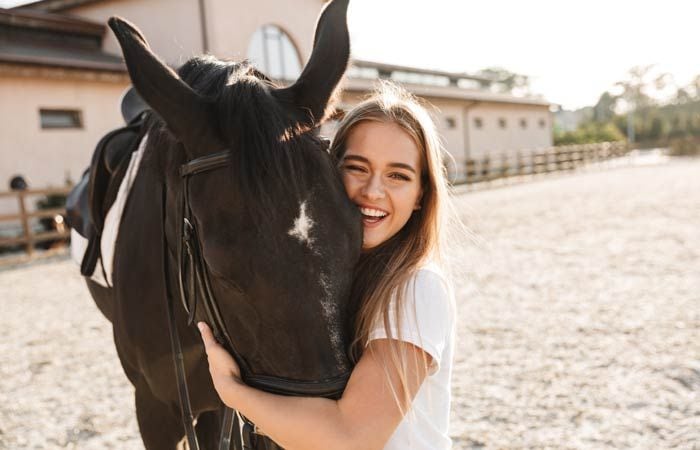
(370, 215)
(373, 212)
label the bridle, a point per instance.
(194, 289)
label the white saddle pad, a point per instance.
(111, 227)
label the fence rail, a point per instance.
(29, 238)
(554, 159)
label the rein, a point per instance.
(188, 253)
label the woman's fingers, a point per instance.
(220, 361)
(214, 350)
(207, 335)
(223, 369)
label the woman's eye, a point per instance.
(400, 176)
(355, 168)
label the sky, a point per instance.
(572, 50)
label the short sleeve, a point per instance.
(426, 317)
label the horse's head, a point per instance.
(278, 234)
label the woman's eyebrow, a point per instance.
(366, 161)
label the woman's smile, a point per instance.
(372, 217)
(381, 173)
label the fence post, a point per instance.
(558, 158)
(470, 171)
(26, 229)
(504, 169)
(580, 156)
(548, 157)
(485, 169)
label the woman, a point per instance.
(398, 395)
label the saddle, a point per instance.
(89, 201)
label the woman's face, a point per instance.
(381, 172)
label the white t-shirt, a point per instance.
(432, 328)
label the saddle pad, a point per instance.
(111, 225)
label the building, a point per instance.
(61, 77)
(472, 121)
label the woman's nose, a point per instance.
(374, 188)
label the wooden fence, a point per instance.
(554, 159)
(488, 168)
(28, 238)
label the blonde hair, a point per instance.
(384, 272)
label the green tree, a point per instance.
(604, 110)
(590, 133)
(682, 96)
(641, 82)
(504, 81)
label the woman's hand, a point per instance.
(223, 369)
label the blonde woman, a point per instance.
(398, 395)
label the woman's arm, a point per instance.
(364, 417)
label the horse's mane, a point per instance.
(268, 156)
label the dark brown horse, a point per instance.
(278, 235)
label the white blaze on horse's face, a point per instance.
(302, 226)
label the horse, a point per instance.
(271, 236)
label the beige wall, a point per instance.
(490, 138)
(47, 156)
(452, 137)
(233, 22)
(173, 29)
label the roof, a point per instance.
(449, 92)
(54, 5)
(384, 68)
(44, 55)
(47, 39)
(448, 87)
(27, 18)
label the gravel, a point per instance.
(579, 325)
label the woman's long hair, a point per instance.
(385, 271)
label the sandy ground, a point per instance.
(579, 325)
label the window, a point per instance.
(543, 123)
(502, 122)
(451, 123)
(523, 123)
(420, 78)
(468, 84)
(272, 51)
(60, 118)
(478, 122)
(368, 73)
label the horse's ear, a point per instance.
(311, 93)
(182, 109)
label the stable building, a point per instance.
(61, 78)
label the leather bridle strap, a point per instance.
(178, 358)
(193, 279)
(187, 294)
